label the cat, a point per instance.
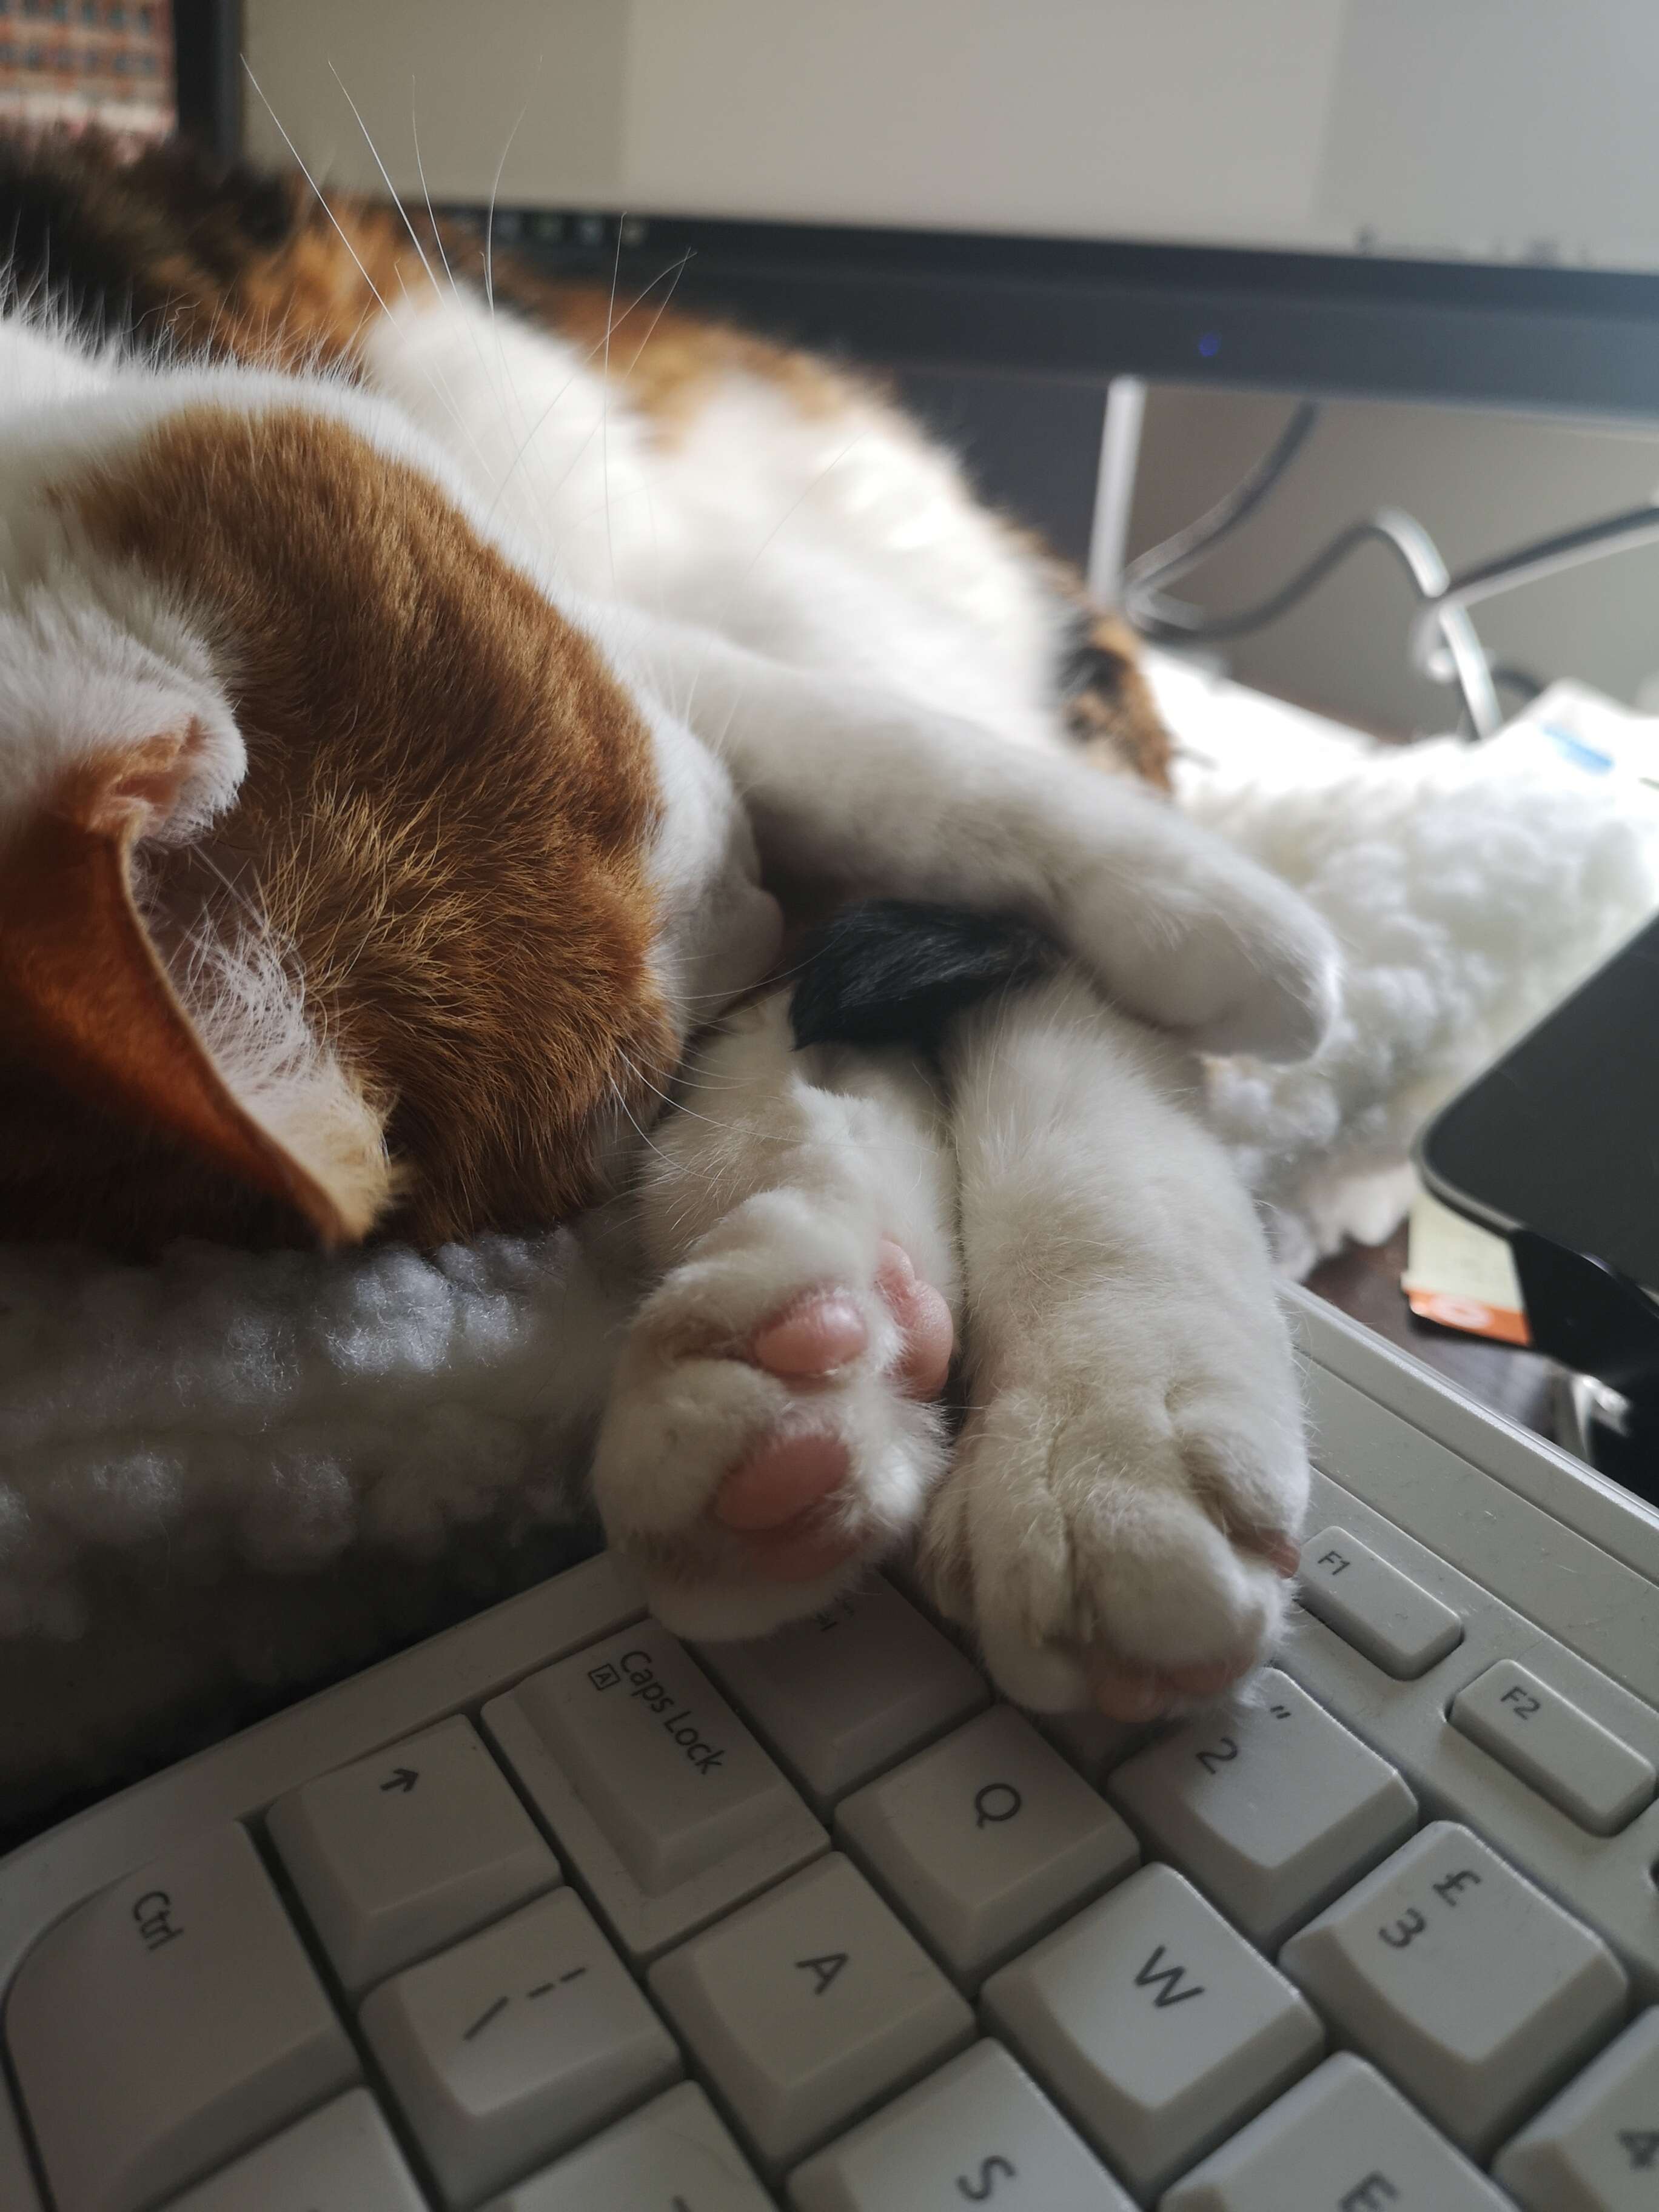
(421, 690)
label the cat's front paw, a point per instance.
(1120, 1525)
(1231, 960)
(769, 1431)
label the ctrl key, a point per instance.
(168, 2024)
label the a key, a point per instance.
(986, 1841)
(844, 1694)
(342, 2159)
(980, 2131)
(655, 1791)
(166, 2025)
(1154, 2024)
(1554, 1745)
(517, 2043)
(1473, 1990)
(808, 2005)
(1342, 2141)
(674, 2156)
(1595, 2149)
(1398, 1625)
(1274, 1810)
(401, 1853)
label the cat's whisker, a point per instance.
(604, 403)
(667, 1097)
(441, 382)
(489, 259)
(322, 201)
(748, 565)
(553, 491)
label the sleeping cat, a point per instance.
(413, 709)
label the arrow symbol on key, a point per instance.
(403, 1778)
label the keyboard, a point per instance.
(555, 1913)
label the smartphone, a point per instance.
(1561, 1135)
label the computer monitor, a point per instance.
(1380, 196)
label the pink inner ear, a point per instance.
(131, 790)
(84, 998)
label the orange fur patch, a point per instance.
(445, 819)
(84, 998)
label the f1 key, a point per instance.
(1398, 1624)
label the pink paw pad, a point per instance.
(776, 1498)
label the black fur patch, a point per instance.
(889, 973)
(110, 246)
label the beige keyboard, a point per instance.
(555, 1914)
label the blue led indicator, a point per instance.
(1209, 345)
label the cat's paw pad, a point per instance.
(769, 1430)
(1128, 1557)
(1238, 964)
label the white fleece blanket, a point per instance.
(231, 1470)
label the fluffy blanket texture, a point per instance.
(228, 1475)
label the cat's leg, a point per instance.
(770, 1427)
(884, 797)
(1123, 1512)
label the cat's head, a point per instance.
(345, 883)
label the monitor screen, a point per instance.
(1496, 130)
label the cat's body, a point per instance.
(388, 767)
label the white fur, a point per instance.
(845, 667)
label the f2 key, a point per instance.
(1552, 1743)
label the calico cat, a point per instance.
(419, 688)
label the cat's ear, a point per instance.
(84, 995)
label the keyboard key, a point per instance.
(674, 2156)
(1274, 1810)
(340, 2160)
(1596, 2148)
(1554, 1745)
(1394, 1621)
(516, 2044)
(1343, 2139)
(166, 2025)
(1155, 2025)
(986, 1842)
(654, 1789)
(978, 2132)
(1473, 1990)
(400, 1854)
(841, 1695)
(808, 2005)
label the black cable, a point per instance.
(1163, 620)
(1173, 619)
(1521, 682)
(1189, 545)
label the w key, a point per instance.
(1155, 2026)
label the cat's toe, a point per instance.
(766, 1439)
(1242, 965)
(1100, 1563)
